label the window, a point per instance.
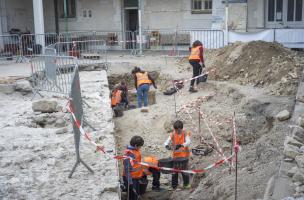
(71, 8)
(201, 6)
(275, 10)
(294, 10)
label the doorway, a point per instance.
(131, 27)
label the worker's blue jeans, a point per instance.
(142, 93)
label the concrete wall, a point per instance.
(19, 14)
(170, 14)
(106, 15)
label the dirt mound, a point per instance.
(259, 64)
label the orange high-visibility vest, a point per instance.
(142, 78)
(116, 97)
(152, 161)
(195, 53)
(176, 139)
(137, 170)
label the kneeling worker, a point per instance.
(152, 161)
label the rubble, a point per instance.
(283, 115)
(45, 106)
(23, 86)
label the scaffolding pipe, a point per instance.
(140, 27)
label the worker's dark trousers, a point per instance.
(175, 179)
(197, 70)
(156, 177)
(133, 189)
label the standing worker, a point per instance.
(142, 84)
(133, 172)
(195, 58)
(179, 142)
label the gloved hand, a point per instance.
(178, 146)
(155, 86)
(168, 147)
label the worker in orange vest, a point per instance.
(195, 58)
(179, 142)
(133, 172)
(153, 170)
(119, 99)
(142, 81)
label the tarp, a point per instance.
(265, 35)
(291, 38)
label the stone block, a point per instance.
(45, 106)
(283, 115)
(291, 141)
(300, 161)
(291, 151)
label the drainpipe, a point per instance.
(226, 25)
(56, 16)
(39, 23)
(140, 26)
(65, 8)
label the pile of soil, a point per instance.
(257, 63)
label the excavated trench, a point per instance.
(256, 126)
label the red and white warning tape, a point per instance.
(101, 149)
(82, 131)
(194, 171)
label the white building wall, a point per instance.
(256, 14)
(237, 16)
(171, 14)
(19, 14)
(106, 16)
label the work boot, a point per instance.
(188, 186)
(157, 189)
(192, 90)
(144, 109)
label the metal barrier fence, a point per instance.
(177, 40)
(52, 73)
(18, 47)
(9, 47)
(87, 51)
(75, 103)
(113, 39)
(33, 44)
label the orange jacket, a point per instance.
(116, 97)
(183, 152)
(142, 78)
(195, 53)
(152, 161)
(137, 170)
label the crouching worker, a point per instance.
(133, 173)
(153, 170)
(179, 142)
(119, 100)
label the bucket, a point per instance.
(165, 162)
(180, 163)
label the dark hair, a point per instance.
(178, 125)
(135, 70)
(197, 43)
(137, 141)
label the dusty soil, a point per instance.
(259, 64)
(256, 105)
(35, 162)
